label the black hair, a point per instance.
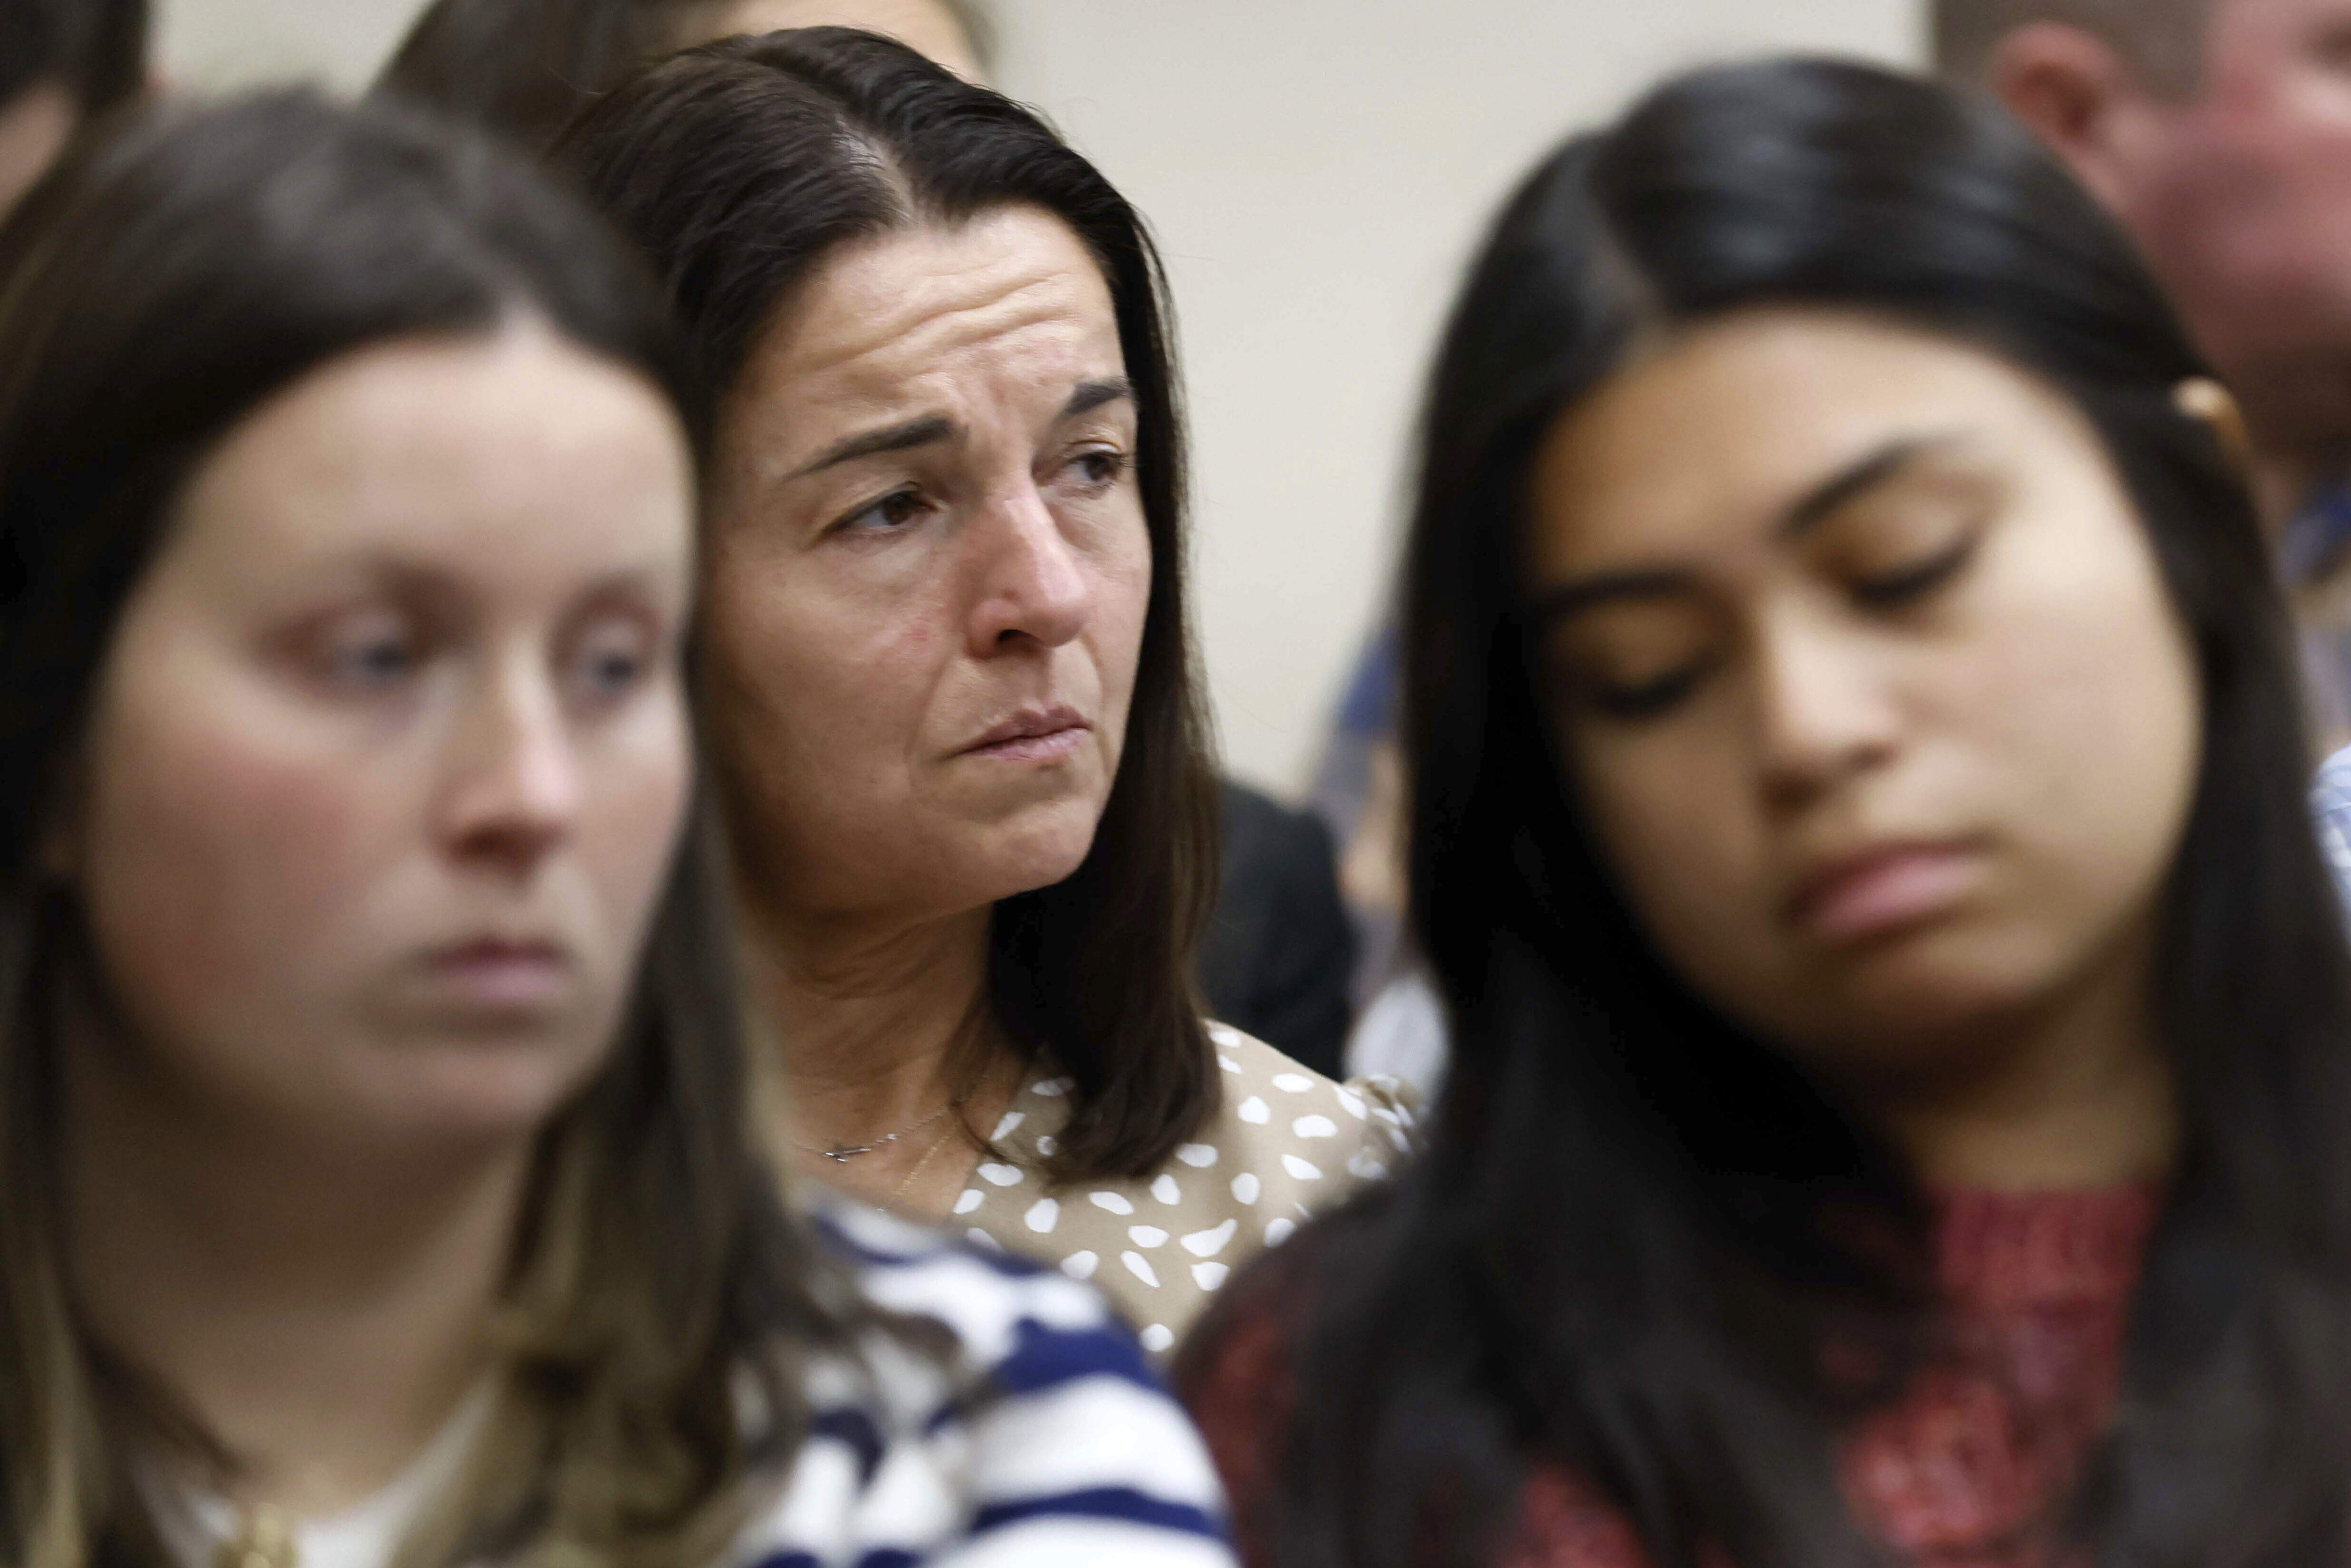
(96, 49)
(1638, 1223)
(168, 279)
(739, 167)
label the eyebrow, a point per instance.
(906, 437)
(1092, 395)
(1869, 472)
(1087, 397)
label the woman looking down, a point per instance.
(1900, 1109)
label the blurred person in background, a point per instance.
(62, 62)
(946, 669)
(1278, 953)
(1900, 1110)
(2219, 132)
(525, 68)
(374, 1182)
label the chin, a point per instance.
(474, 1097)
(1042, 847)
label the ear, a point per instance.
(2080, 98)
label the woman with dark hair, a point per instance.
(945, 669)
(525, 68)
(372, 1180)
(1899, 1106)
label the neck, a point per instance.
(2077, 1094)
(322, 1317)
(875, 1023)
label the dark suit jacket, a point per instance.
(1279, 953)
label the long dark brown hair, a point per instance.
(153, 292)
(1638, 1223)
(739, 167)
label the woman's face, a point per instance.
(927, 575)
(389, 754)
(1863, 669)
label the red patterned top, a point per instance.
(1965, 1472)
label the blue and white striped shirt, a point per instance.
(1044, 1441)
(1071, 1456)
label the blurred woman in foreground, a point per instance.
(1901, 1103)
(372, 1184)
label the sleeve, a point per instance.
(1080, 1459)
(1388, 1110)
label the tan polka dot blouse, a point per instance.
(1286, 1144)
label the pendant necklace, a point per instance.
(840, 1153)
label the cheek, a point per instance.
(816, 681)
(1121, 609)
(225, 877)
(1676, 817)
(2083, 716)
(638, 784)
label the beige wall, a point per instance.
(1316, 171)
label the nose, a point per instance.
(512, 788)
(1032, 584)
(1825, 710)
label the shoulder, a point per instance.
(1293, 1117)
(1039, 1435)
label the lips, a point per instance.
(1033, 735)
(1883, 890)
(501, 975)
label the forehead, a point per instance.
(1010, 297)
(491, 456)
(1708, 438)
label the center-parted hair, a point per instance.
(740, 168)
(168, 281)
(1639, 1224)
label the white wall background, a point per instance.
(1317, 172)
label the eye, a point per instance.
(1651, 698)
(892, 514)
(610, 659)
(371, 651)
(1907, 584)
(1100, 467)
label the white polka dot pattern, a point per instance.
(1286, 1146)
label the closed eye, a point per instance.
(1904, 584)
(1646, 699)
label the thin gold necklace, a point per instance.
(908, 1179)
